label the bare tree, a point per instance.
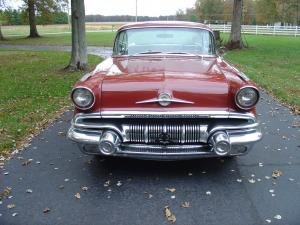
(235, 40)
(79, 59)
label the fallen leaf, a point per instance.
(186, 205)
(5, 193)
(172, 190)
(276, 173)
(10, 206)
(62, 133)
(77, 195)
(278, 217)
(107, 183)
(168, 214)
(46, 210)
(26, 162)
(252, 181)
(148, 195)
(84, 188)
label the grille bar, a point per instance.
(164, 133)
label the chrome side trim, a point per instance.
(175, 114)
(157, 100)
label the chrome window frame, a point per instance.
(161, 26)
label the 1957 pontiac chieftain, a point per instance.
(165, 94)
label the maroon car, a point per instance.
(165, 94)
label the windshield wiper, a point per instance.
(149, 52)
(182, 53)
(185, 53)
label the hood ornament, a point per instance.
(164, 99)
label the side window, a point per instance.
(121, 46)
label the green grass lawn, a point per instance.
(33, 89)
(104, 39)
(23, 30)
(274, 64)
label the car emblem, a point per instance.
(164, 99)
(164, 138)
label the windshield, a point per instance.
(164, 40)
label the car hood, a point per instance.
(194, 83)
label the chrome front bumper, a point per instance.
(241, 138)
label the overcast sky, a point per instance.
(127, 7)
(145, 7)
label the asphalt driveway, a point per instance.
(51, 182)
(104, 52)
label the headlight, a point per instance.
(247, 97)
(83, 98)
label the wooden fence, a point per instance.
(256, 29)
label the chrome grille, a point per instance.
(164, 133)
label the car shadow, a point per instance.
(124, 167)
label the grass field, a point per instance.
(23, 30)
(274, 64)
(104, 39)
(33, 89)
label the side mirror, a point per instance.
(221, 51)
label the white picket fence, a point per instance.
(256, 29)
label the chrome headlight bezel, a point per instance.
(254, 101)
(88, 92)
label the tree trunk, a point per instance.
(32, 19)
(235, 40)
(79, 59)
(1, 35)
